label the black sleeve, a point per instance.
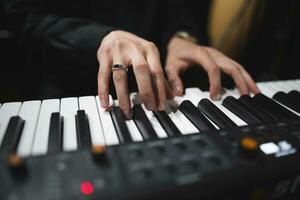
(47, 23)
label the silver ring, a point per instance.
(117, 67)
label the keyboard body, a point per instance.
(207, 164)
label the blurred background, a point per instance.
(263, 35)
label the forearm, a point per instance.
(72, 37)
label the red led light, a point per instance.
(87, 188)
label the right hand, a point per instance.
(120, 47)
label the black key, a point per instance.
(295, 94)
(165, 121)
(83, 129)
(55, 133)
(237, 108)
(195, 116)
(274, 108)
(260, 114)
(215, 114)
(288, 100)
(143, 123)
(295, 98)
(120, 125)
(12, 135)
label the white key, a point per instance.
(29, 112)
(68, 110)
(6, 112)
(194, 95)
(159, 130)
(133, 129)
(40, 144)
(273, 86)
(283, 86)
(109, 130)
(297, 82)
(181, 126)
(89, 104)
(292, 85)
(189, 126)
(233, 92)
(265, 89)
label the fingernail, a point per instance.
(128, 114)
(104, 103)
(216, 97)
(177, 90)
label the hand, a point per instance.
(182, 54)
(120, 47)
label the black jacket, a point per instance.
(61, 37)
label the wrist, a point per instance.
(181, 37)
(186, 36)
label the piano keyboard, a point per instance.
(107, 129)
(41, 128)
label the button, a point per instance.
(17, 165)
(98, 152)
(87, 188)
(249, 143)
(248, 147)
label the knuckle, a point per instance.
(158, 72)
(151, 46)
(104, 49)
(141, 65)
(234, 71)
(117, 43)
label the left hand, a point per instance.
(182, 54)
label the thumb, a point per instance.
(175, 82)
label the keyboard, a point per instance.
(71, 148)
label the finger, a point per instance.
(157, 77)
(143, 77)
(213, 72)
(250, 82)
(104, 74)
(175, 80)
(236, 74)
(120, 82)
(169, 92)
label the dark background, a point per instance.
(271, 53)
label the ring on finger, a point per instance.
(117, 67)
